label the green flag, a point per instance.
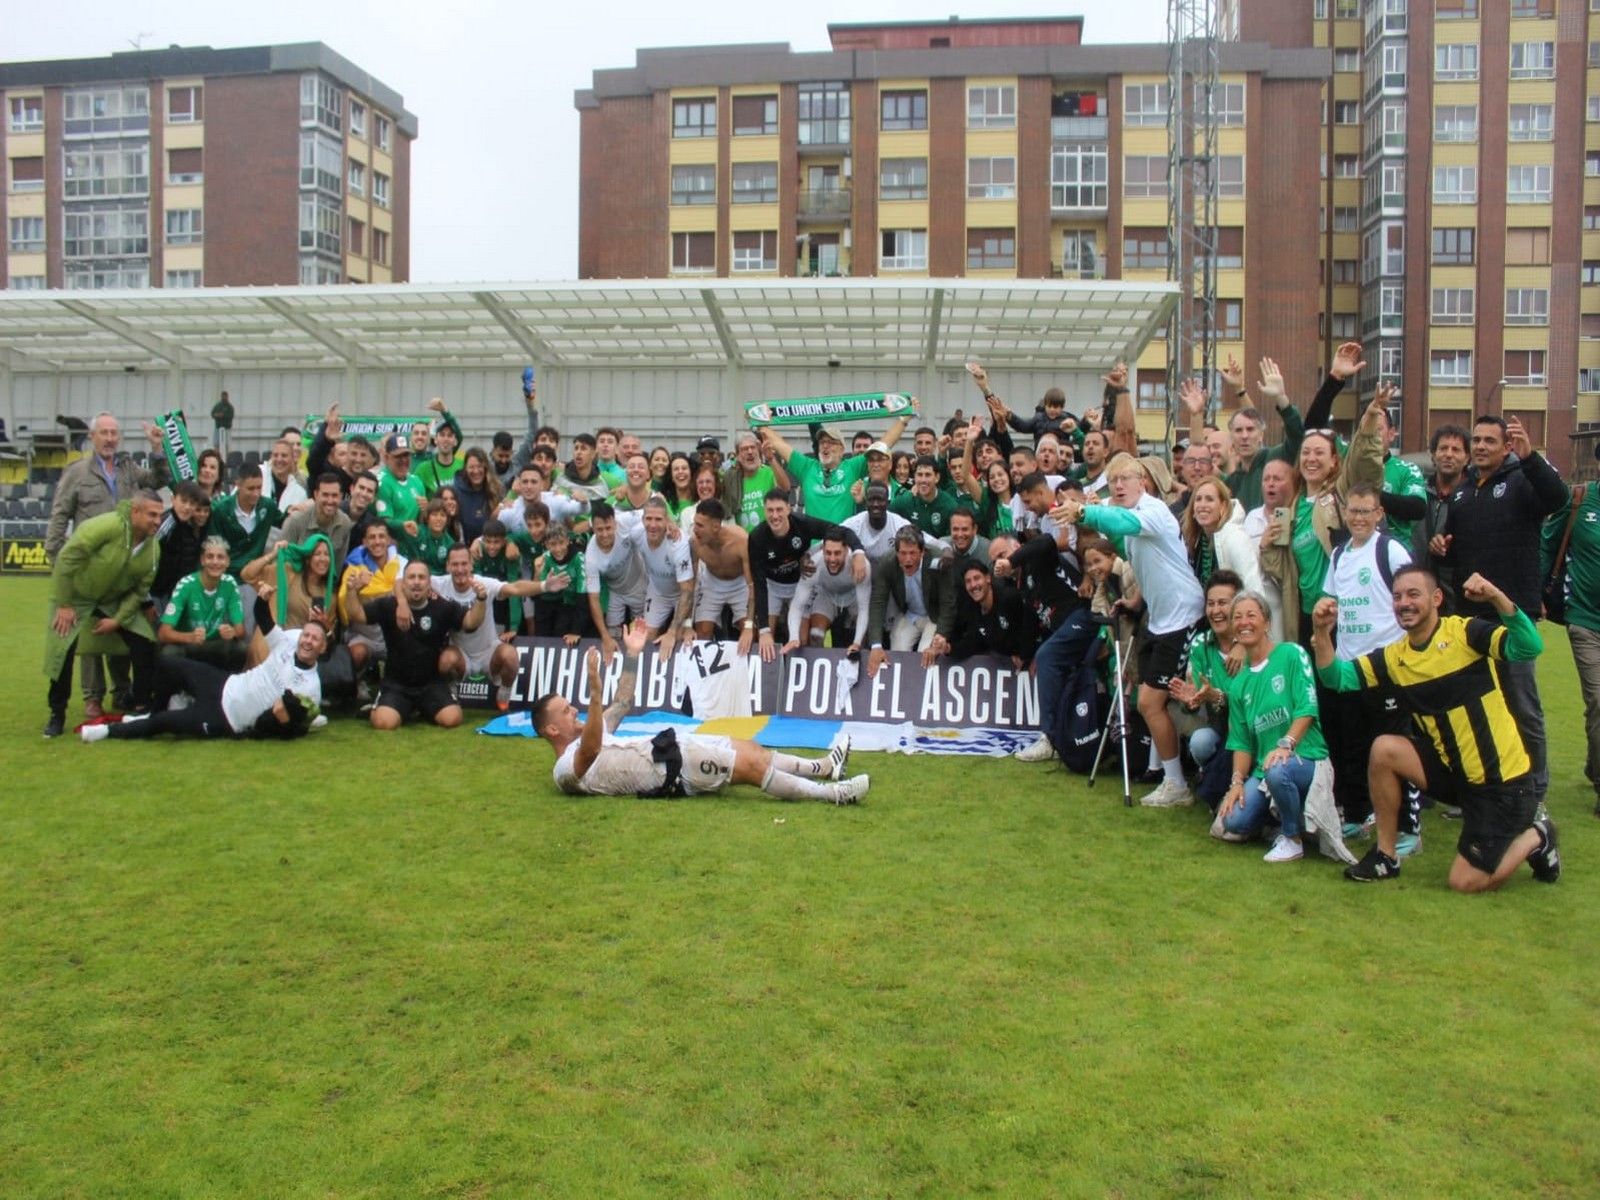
(175, 441)
(823, 409)
(374, 429)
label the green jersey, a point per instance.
(399, 500)
(1309, 555)
(827, 491)
(429, 547)
(1583, 557)
(612, 473)
(499, 566)
(244, 545)
(1403, 478)
(930, 516)
(573, 570)
(1266, 700)
(193, 607)
(433, 474)
(1208, 664)
(526, 546)
(752, 508)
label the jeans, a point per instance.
(1522, 693)
(1207, 748)
(1286, 785)
(1586, 655)
(1057, 656)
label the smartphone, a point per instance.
(1285, 524)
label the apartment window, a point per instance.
(1392, 184)
(1455, 185)
(1527, 184)
(380, 246)
(755, 183)
(1144, 104)
(754, 115)
(1346, 166)
(1344, 270)
(106, 232)
(991, 178)
(1230, 176)
(1528, 247)
(1230, 247)
(26, 235)
(1346, 112)
(1319, 10)
(1534, 60)
(1393, 116)
(1346, 218)
(1456, 10)
(1452, 306)
(383, 128)
(1591, 163)
(1525, 368)
(321, 160)
(185, 279)
(1227, 320)
(27, 283)
(904, 250)
(1078, 175)
(694, 118)
(694, 253)
(1347, 60)
(1227, 102)
(1392, 306)
(1453, 247)
(105, 169)
(1527, 306)
(314, 271)
(1450, 368)
(27, 114)
(321, 103)
(27, 174)
(358, 119)
(1080, 258)
(321, 225)
(824, 114)
(1532, 123)
(185, 105)
(358, 178)
(1394, 65)
(903, 179)
(1589, 379)
(991, 249)
(1346, 10)
(1455, 123)
(1144, 175)
(694, 184)
(380, 189)
(993, 107)
(904, 111)
(1594, 54)
(1590, 273)
(1455, 60)
(105, 110)
(1344, 326)
(356, 237)
(184, 226)
(1144, 249)
(1594, 108)
(1152, 388)
(1591, 216)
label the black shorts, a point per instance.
(1161, 657)
(1493, 815)
(430, 699)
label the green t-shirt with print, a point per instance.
(930, 516)
(1266, 700)
(193, 607)
(827, 492)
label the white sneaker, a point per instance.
(319, 722)
(1284, 850)
(838, 756)
(1222, 833)
(1040, 751)
(95, 733)
(1168, 795)
(851, 791)
(179, 702)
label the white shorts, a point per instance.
(658, 610)
(824, 605)
(619, 606)
(479, 666)
(779, 594)
(707, 762)
(713, 593)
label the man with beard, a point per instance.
(778, 550)
(478, 650)
(722, 552)
(668, 571)
(581, 480)
(746, 483)
(876, 527)
(828, 593)
(613, 559)
(324, 516)
(991, 618)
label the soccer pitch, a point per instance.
(402, 965)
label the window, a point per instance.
(1228, 320)
(184, 226)
(380, 189)
(1227, 102)
(1144, 175)
(321, 225)
(1527, 184)
(384, 128)
(1455, 185)
(1394, 65)
(184, 279)
(1528, 247)
(1527, 306)
(1346, 218)
(1588, 379)
(1589, 327)
(1152, 388)
(1532, 123)
(694, 184)
(1347, 60)
(1591, 216)
(1455, 10)
(904, 110)
(903, 179)
(1533, 60)
(991, 249)
(380, 246)
(1594, 54)
(754, 115)
(1346, 10)
(904, 250)
(185, 105)
(1591, 163)
(991, 178)
(1344, 270)
(1230, 247)
(1453, 247)
(1346, 166)
(1344, 325)
(106, 232)
(694, 118)
(321, 103)
(1525, 368)
(694, 253)
(26, 235)
(105, 110)
(1452, 306)
(1455, 60)
(321, 162)
(992, 107)
(27, 174)
(1450, 368)
(755, 183)
(358, 119)
(1594, 108)
(1392, 307)
(824, 110)
(1319, 10)
(1078, 175)
(1080, 258)
(1346, 112)
(27, 114)
(1230, 176)
(1393, 117)
(315, 271)
(1392, 184)
(1455, 123)
(1144, 104)
(1590, 273)
(356, 237)
(27, 283)
(1144, 249)
(101, 168)
(358, 178)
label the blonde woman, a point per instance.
(1213, 529)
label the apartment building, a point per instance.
(193, 167)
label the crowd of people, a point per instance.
(1315, 613)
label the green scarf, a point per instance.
(290, 555)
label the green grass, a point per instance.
(404, 966)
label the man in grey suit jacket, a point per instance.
(924, 604)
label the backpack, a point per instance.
(1082, 712)
(1385, 569)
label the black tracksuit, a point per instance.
(1494, 530)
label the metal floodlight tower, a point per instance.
(1192, 68)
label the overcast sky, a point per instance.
(494, 173)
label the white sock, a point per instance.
(806, 768)
(1174, 769)
(790, 787)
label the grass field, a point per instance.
(402, 965)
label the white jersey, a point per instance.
(562, 508)
(717, 679)
(478, 643)
(1366, 601)
(624, 767)
(667, 567)
(1160, 562)
(620, 568)
(245, 697)
(841, 590)
(877, 544)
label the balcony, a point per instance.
(1087, 267)
(824, 204)
(831, 135)
(1094, 129)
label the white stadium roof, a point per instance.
(1057, 324)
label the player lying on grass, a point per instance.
(591, 760)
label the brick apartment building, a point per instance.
(192, 167)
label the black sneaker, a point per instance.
(56, 725)
(1546, 860)
(1374, 868)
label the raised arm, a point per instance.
(1124, 422)
(594, 726)
(633, 640)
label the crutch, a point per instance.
(1120, 720)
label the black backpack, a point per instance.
(1081, 714)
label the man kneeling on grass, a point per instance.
(590, 760)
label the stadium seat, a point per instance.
(235, 459)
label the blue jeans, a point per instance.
(1058, 656)
(1286, 785)
(1215, 760)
